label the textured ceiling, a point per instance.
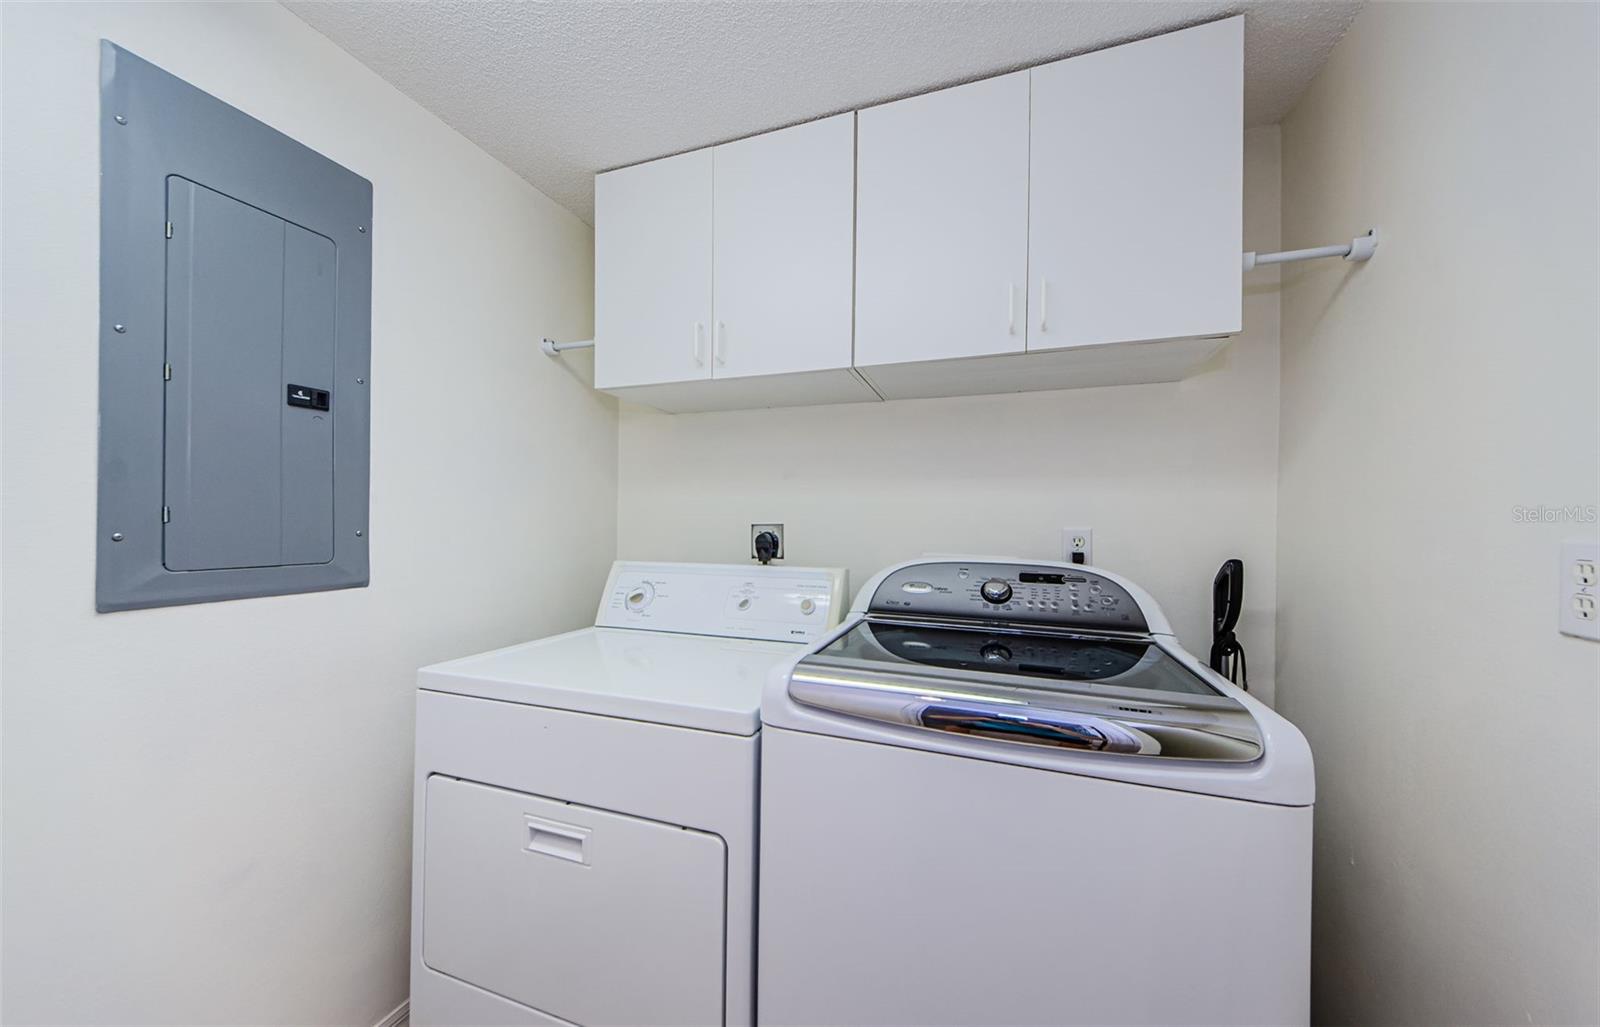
(561, 90)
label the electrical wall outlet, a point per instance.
(1077, 545)
(1579, 588)
(756, 531)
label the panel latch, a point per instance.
(304, 396)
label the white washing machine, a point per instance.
(585, 806)
(1002, 793)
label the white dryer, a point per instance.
(1002, 793)
(585, 805)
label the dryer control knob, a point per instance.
(995, 591)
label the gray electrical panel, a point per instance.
(235, 300)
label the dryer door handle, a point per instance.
(553, 838)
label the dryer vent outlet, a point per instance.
(766, 542)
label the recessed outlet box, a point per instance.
(1578, 589)
(756, 531)
(1077, 545)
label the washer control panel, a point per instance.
(788, 604)
(1075, 597)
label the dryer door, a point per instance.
(590, 916)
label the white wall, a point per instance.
(1426, 395)
(206, 809)
(1173, 478)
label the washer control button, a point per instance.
(916, 588)
(808, 606)
(639, 596)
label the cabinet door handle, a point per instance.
(719, 343)
(1044, 304)
(1011, 308)
(699, 344)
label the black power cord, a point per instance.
(1227, 659)
(1227, 600)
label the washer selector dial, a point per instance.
(639, 596)
(995, 591)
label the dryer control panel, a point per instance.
(1076, 597)
(779, 604)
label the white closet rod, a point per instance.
(1362, 247)
(551, 347)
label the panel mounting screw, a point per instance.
(358, 533)
(361, 381)
(119, 119)
(116, 536)
(362, 229)
(119, 329)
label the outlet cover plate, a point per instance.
(1075, 541)
(1578, 588)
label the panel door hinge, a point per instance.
(166, 515)
(166, 372)
(169, 230)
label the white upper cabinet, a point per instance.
(942, 224)
(1136, 191)
(652, 272)
(784, 223)
(1078, 224)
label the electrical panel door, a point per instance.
(249, 464)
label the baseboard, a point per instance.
(399, 1016)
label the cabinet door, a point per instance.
(652, 272)
(1136, 190)
(785, 206)
(942, 224)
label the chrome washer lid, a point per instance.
(1119, 694)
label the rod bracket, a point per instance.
(552, 348)
(1362, 247)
